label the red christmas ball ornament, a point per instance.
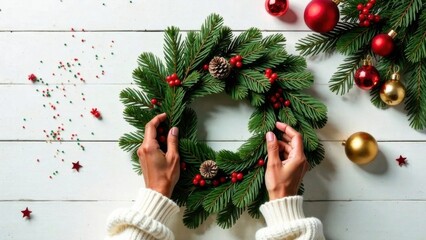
(383, 44)
(367, 76)
(322, 15)
(276, 7)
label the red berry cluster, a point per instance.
(277, 100)
(366, 18)
(198, 180)
(161, 135)
(96, 113)
(236, 61)
(271, 75)
(173, 80)
(237, 176)
(32, 77)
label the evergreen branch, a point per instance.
(254, 207)
(252, 52)
(188, 125)
(256, 99)
(228, 216)
(218, 198)
(295, 80)
(247, 191)
(416, 96)
(150, 75)
(343, 80)
(174, 105)
(246, 37)
(196, 199)
(310, 139)
(195, 152)
(306, 105)
(405, 13)
(251, 151)
(349, 11)
(316, 156)
(194, 218)
(208, 85)
(135, 162)
(294, 64)
(238, 91)
(416, 46)
(286, 115)
(271, 59)
(222, 42)
(191, 79)
(132, 97)
(262, 120)
(274, 41)
(316, 43)
(180, 194)
(253, 80)
(354, 40)
(375, 97)
(228, 160)
(173, 50)
(137, 116)
(129, 142)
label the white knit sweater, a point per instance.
(149, 216)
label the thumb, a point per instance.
(273, 149)
(172, 140)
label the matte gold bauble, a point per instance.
(393, 91)
(361, 148)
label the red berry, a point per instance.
(365, 11)
(174, 76)
(369, 5)
(376, 18)
(370, 16)
(162, 139)
(168, 78)
(277, 95)
(234, 180)
(287, 103)
(177, 82)
(160, 130)
(273, 99)
(154, 101)
(202, 183)
(359, 7)
(268, 71)
(239, 64)
(280, 90)
(222, 179)
(232, 61)
(206, 67)
(171, 83)
(366, 23)
(267, 75)
(271, 80)
(183, 166)
(281, 100)
(195, 182)
(238, 58)
(240, 176)
(234, 175)
(372, 2)
(277, 105)
(198, 177)
(274, 76)
(215, 183)
(261, 162)
(361, 24)
(362, 17)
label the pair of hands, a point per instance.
(285, 168)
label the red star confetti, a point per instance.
(96, 113)
(76, 166)
(26, 213)
(32, 77)
(401, 160)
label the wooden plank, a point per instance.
(115, 53)
(107, 173)
(220, 118)
(142, 15)
(341, 220)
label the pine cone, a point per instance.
(219, 67)
(208, 169)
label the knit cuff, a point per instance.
(283, 210)
(155, 205)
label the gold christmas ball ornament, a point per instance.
(393, 91)
(361, 148)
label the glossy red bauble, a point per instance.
(382, 44)
(321, 15)
(366, 77)
(276, 7)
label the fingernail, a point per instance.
(270, 136)
(174, 131)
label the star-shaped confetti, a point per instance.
(401, 160)
(26, 213)
(76, 166)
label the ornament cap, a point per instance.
(367, 61)
(392, 34)
(336, 1)
(396, 76)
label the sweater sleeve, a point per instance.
(146, 219)
(285, 220)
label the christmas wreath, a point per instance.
(391, 33)
(247, 67)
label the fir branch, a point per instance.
(229, 161)
(196, 199)
(129, 142)
(218, 198)
(135, 162)
(405, 13)
(251, 151)
(262, 120)
(208, 85)
(306, 105)
(416, 45)
(247, 191)
(174, 105)
(246, 37)
(188, 125)
(316, 43)
(173, 50)
(295, 80)
(343, 80)
(150, 75)
(254, 207)
(251, 52)
(194, 218)
(253, 80)
(286, 115)
(137, 116)
(238, 91)
(274, 41)
(375, 97)
(294, 64)
(349, 11)
(309, 135)
(195, 152)
(256, 99)
(191, 79)
(180, 193)
(353, 41)
(228, 216)
(222, 42)
(271, 59)
(316, 156)
(416, 96)
(133, 97)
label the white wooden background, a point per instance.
(377, 201)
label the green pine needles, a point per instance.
(408, 19)
(212, 61)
